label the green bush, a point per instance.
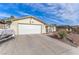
(62, 34)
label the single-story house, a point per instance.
(64, 28)
(30, 25)
(75, 29)
(2, 25)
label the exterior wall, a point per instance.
(64, 29)
(30, 21)
(2, 26)
(33, 21)
(51, 29)
(14, 27)
(54, 28)
(27, 21)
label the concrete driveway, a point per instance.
(36, 45)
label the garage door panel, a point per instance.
(29, 29)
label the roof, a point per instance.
(2, 22)
(40, 20)
(31, 17)
(64, 26)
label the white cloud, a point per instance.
(68, 12)
(4, 15)
(23, 13)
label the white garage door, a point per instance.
(29, 29)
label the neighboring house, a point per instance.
(6, 22)
(2, 25)
(64, 28)
(30, 25)
(75, 28)
(51, 28)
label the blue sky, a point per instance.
(51, 13)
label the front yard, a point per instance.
(70, 38)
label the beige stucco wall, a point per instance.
(14, 24)
(51, 29)
(2, 26)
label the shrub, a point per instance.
(62, 34)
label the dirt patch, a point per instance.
(71, 39)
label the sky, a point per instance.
(51, 13)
